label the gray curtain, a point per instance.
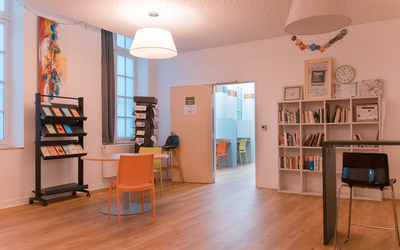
(107, 86)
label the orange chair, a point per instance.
(221, 151)
(135, 173)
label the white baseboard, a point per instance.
(272, 185)
(14, 202)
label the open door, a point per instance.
(191, 120)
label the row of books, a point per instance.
(314, 162)
(294, 162)
(289, 139)
(314, 140)
(53, 111)
(69, 149)
(340, 115)
(61, 128)
(288, 117)
(313, 117)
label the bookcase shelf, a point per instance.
(304, 181)
(55, 121)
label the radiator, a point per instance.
(110, 168)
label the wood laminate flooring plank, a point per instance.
(230, 214)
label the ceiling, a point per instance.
(202, 24)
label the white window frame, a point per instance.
(5, 19)
(118, 51)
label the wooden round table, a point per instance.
(127, 207)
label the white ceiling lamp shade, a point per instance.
(311, 17)
(153, 43)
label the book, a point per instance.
(52, 150)
(140, 124)
(140, 108)
(316, 163)
(67, 128)
(140, 115)
(334, 114)
(57, 111)
(60, 128)
(72, 149)
(140, 132)
(79, 148)
(59, 149)
(50, 128)
(45, 151)
(47, 111)
(66, 112)
(66, 149)
(75, 113)
(311, 162)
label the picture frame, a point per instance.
(318, 79)
(291, 93)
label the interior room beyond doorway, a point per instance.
(234, 126)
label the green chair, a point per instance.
(242, 149)
(156, 163)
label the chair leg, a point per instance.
(337, 217)
(351, 200)
(396, 227)
(109, 200)
(240, 155)
(227, 165)
(141, 195)
(161, 182)
(178, 160)
(247, 161)
(171, 166)
(219, 166)
(119, 212)
(154, 204)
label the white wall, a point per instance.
(83, 53)
(372, 49)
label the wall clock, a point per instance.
(345, 74)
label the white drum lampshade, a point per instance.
(153, 43)
(311, 17)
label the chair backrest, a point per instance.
(135, 169)
(149, 150)
(172, 141)
(365, 170)
(242, 145)
(222, 147)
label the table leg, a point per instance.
(329, 191)
(127, 207)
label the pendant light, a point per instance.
(153, 43)
(311, 17)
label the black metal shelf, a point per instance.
(53, 157)
(70, 187)
(76, 125)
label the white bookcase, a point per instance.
(304, 181)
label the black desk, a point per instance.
(329, 180)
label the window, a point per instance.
(125, 68)
(5, 87)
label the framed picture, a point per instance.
(318, 75)
(292, 93)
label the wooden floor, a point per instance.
(231, 214)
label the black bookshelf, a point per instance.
(76, 125)
(150, 125)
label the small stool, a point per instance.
(171, 146)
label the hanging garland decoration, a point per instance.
(58, 23)
(321, 48)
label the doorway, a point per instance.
(234, 123)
